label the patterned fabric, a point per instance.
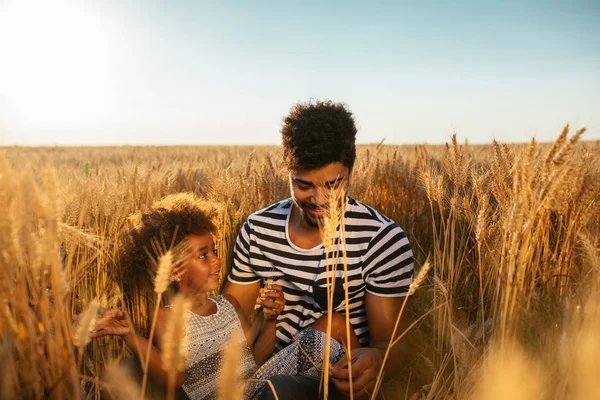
(379, 258)
(304, 357)
(207, 337)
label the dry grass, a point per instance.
(512, 234)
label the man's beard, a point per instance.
(314, 222)
(308, 220)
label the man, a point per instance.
(283, 242)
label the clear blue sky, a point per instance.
(226, 72)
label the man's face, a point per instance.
(311, 189)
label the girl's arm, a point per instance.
(265, 342)
(251, 330)
(115, 322)
(260, 335)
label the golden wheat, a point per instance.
(512, 233)
(231, 386)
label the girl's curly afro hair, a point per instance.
(168, 221)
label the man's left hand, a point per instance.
(366, 365)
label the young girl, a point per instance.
(212, 320)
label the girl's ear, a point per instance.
(176, 274)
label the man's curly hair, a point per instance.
(315, 134)
(168, 221)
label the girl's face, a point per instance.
(201, 269)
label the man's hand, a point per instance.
(365, 367)
(272, 300)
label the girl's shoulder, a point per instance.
(226, 297)
(162, 313)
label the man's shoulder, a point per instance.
(367, 217)
(275, 212)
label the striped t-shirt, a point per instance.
(379, 260)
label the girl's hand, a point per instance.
(111, 322)
(272, 301)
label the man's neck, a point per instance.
(301, 234)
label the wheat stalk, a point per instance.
(230, 384)
(174, 345)
(329, 234)
(86, 324)
(161, 282)
(119, 383)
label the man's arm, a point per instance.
(243, 283)
(382, 313)
(388, 273)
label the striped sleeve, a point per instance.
(388, 264)
(242, 271)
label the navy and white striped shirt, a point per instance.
(379, 259)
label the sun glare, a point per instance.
(56, 61)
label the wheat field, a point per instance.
(509, 309)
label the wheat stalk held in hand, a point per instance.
(86, 324)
